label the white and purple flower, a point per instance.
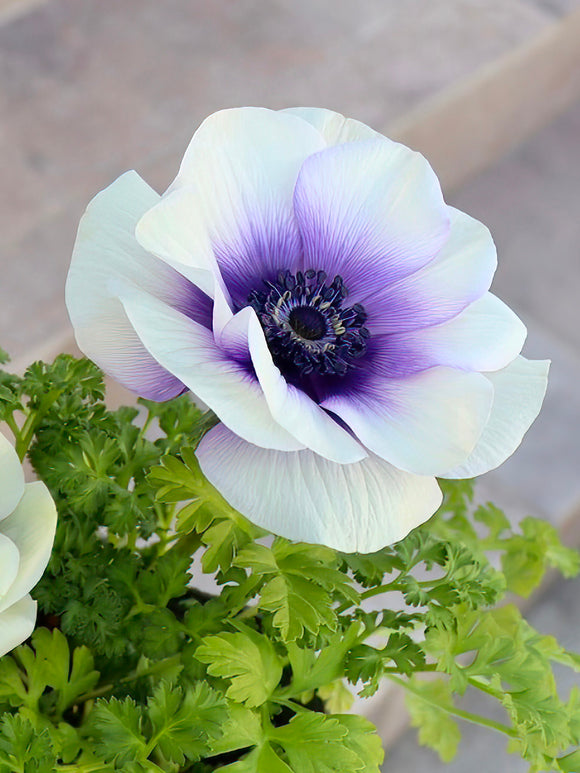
(27, 528)
(304, 278)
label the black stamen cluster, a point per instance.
(306, 326)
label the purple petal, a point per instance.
(460, 274)
(426, 423)
(486, 336)
(371, 211)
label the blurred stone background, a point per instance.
(487, 89)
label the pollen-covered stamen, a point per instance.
(306, 327)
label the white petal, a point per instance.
(243, 164)
(31, 527)
(301, 496)
(295, 411)
(106, 253)
(460, 274)
(486, 336)
(422, 422)
(519, 392)
(11, 478)
(334, 127)
(174, 230)
(371, 212)
(9, 563)
(247, 147)
(16, 624)
(189, 351)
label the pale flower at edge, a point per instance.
(27, 528)
(304, 278)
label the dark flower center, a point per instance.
(307, 328)
(308, 322)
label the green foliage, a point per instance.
(23, 749)
(247, 660)
(329, 744)
(430, 706)
(45, 674)
(131, 668)
(174, 726)
(298, 585)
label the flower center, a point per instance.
(306, 326)
(307, 322)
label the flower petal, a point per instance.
(11, 478)
(334, 127)
(189, 351)
(370, 211)
(519, 392)
(9, 561)
(31, 527)
(486, 336)
(295, 411)
(106, 253)
(460, 274)
(243, 163)
(302, 496)
(17, 624)
(419, 423)
(174, 230)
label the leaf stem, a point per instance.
(484, 687)
(32, 422)
(468, 716)
(14, 428)
(395, 585)
(297, 707)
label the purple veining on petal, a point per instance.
(413, 305)
(266, 243)
(360, 220)
(153, 382)
(234, 341)
(158, 387)
(320, 387)
(184, 296)
(399, 311)
(145, 377)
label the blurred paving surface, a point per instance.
(90, 88)
(558, 7)
(531, 201)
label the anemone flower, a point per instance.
(304, 278)
(27, 527)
